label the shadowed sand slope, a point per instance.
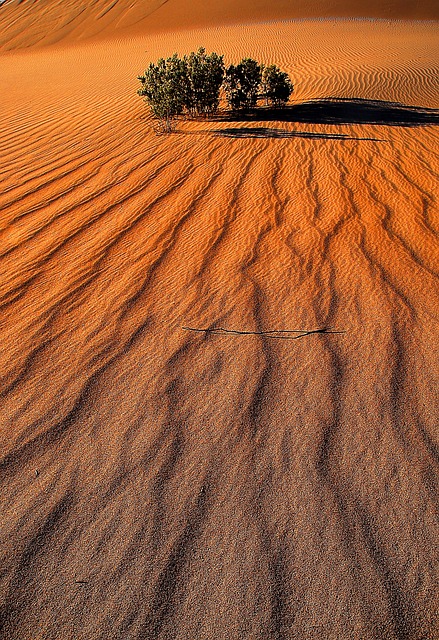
(160, 483)
(30, 23)
(26, 23)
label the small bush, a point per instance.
(165, 86)
(205, 74)
(276, 86)
(242, 84)
(193, 85)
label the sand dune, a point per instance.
(27, 24)
(159, 483)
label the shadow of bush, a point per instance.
(341, 111)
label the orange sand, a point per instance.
(158, 483)
(26, 23)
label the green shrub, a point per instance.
(205, 74)
(165, 86)
(276, 86)
(193, 84)
(242, 83)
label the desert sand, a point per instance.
(160, 483)
(29, 23)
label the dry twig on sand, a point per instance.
(282, 334)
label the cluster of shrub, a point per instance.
(193, 85)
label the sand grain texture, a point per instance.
(159, 483)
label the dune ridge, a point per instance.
(28, 24)
(162, 484)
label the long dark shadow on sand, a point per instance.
(267, 132)
(340, 111)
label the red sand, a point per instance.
(158, 483)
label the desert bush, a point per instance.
(276, 86)
(242, 83)
(205, 74)
(193, 85)
(165, 86)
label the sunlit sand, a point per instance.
(162, 483)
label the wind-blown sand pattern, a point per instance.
(159, 483)
(32, 23)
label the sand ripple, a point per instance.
(158, 483)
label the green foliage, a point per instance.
(242, 84)
(165, 86)
(276, 86)
(205, 74)
(192, 85)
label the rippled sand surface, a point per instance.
(34, 23)
(160, 483)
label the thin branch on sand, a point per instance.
(282, 334)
